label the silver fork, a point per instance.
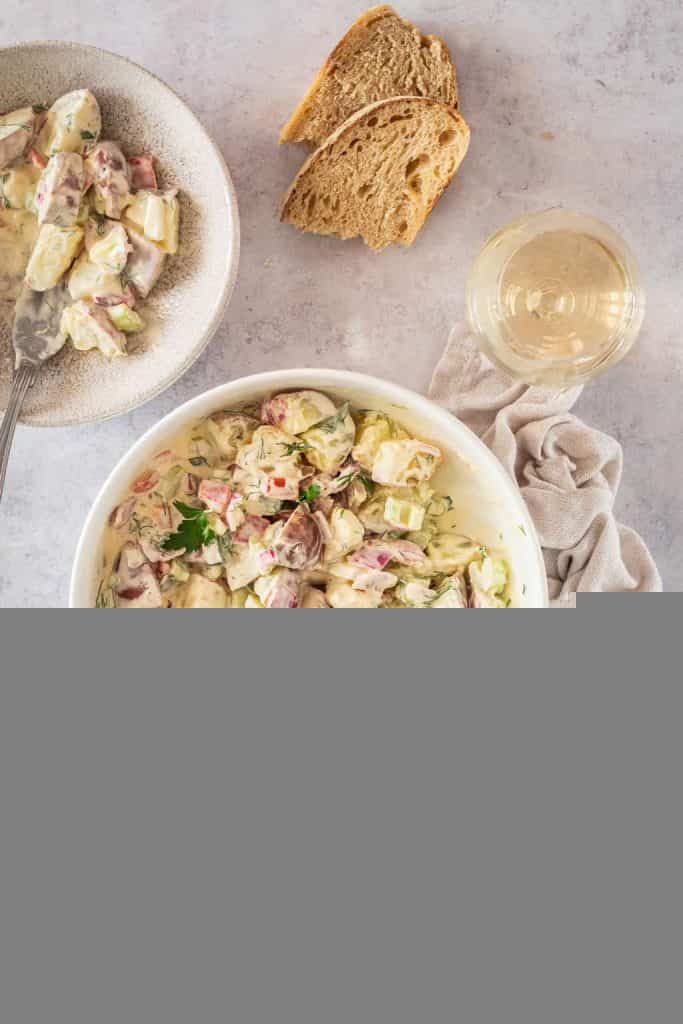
(36, 338)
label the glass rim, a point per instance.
(529, 226)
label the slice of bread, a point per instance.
(380, 56)
(380, 173)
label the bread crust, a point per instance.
(347, 128)
(290, 132)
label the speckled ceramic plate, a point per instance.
(143, 115)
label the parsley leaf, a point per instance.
(87, 136)
(194, 531)
(310, 494)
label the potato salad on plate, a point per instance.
(301, 502)
(74, 209)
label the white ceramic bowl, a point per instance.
(489, 505)
(143, 115)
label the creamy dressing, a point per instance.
(62, 186)
(18, 232)
(299, 503)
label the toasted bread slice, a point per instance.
(380, 173)
(380, 56)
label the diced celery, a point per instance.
(125, 318)
(403, 515)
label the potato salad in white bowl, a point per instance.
(309, 489)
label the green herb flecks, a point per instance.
(344, 481)
(367, 483)
(199, 460)
(88, 136)
(330, 425)
(193, 533)
(295, 446)
(140, 527)
(101, 224)
(225, 546)
(440, 506)
(521, 529)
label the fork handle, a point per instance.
(21, 382)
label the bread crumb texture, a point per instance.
(381, 56)
(380, 173)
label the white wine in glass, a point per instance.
(555, 298)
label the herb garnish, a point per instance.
(343, 481)
(101, 224)
(295, 446)
(199, 460)
(193, 533)
(310, 494)
(225, 545)
(88, 136)
(367, 483)
(436, 504)
(139, 527)
(330, 425)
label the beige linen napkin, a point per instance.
(568, 473)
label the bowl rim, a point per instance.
(301, 378)
(230, 195)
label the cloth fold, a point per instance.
(567, 472)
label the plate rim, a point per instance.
(229, 287)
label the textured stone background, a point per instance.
(603, 78)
